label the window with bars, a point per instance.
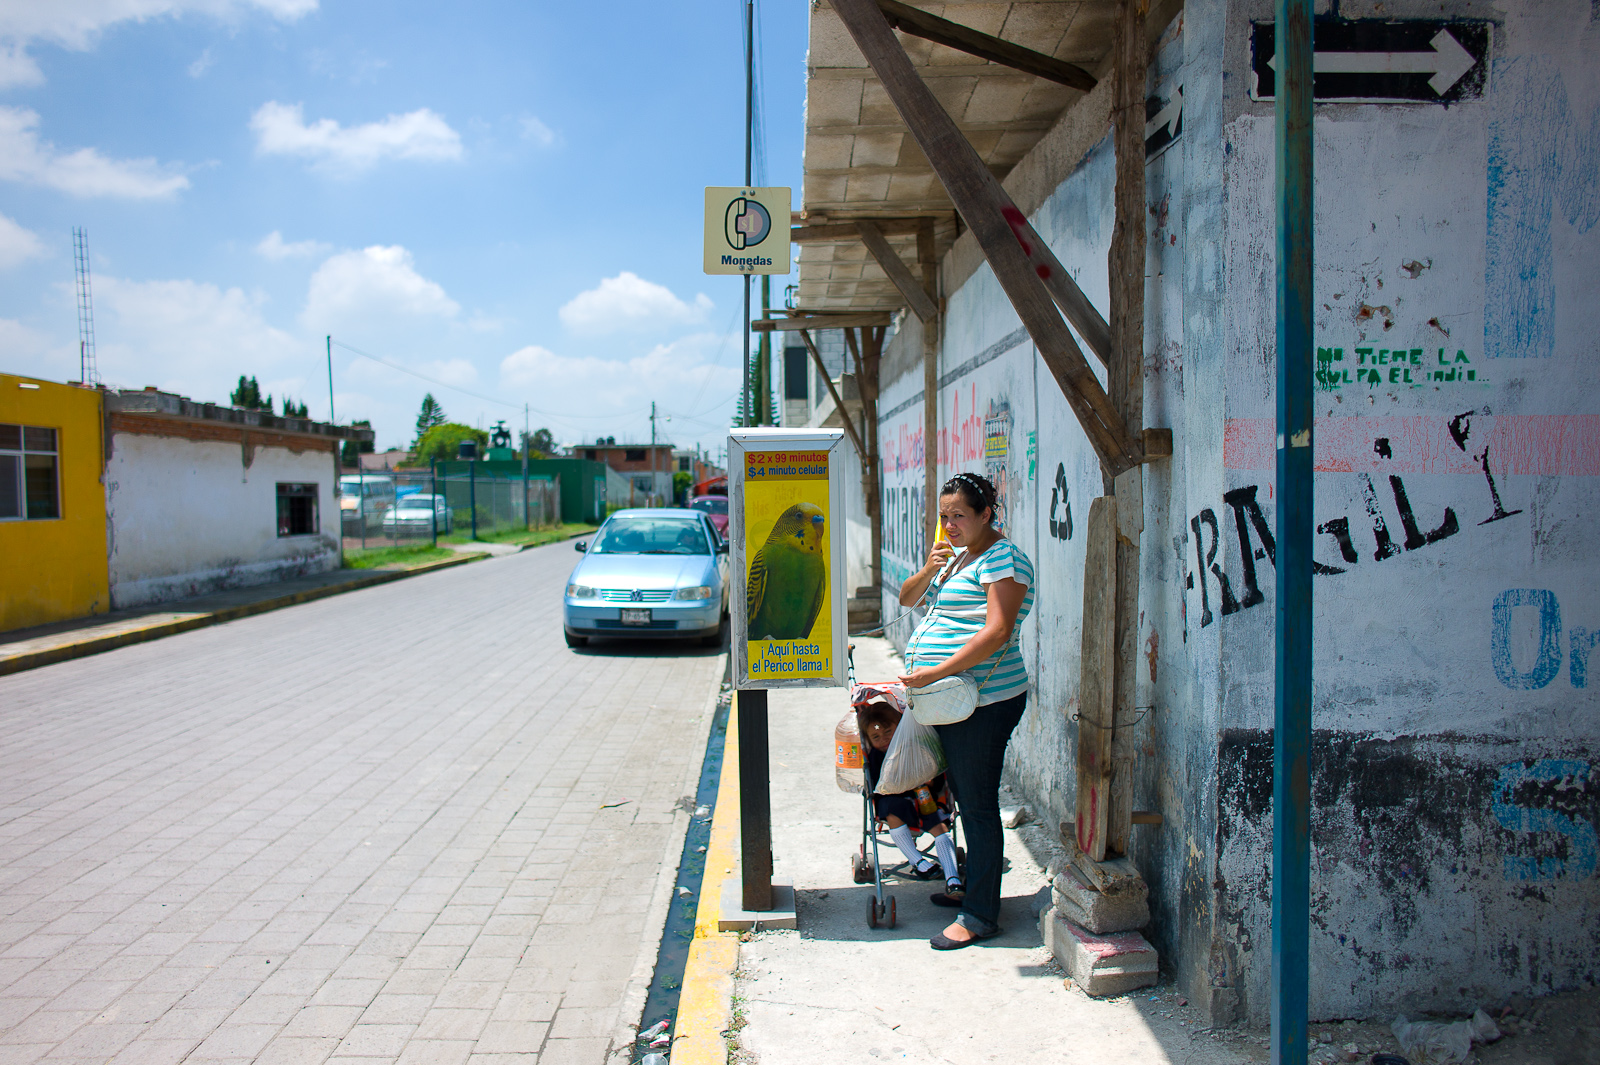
(297, 509)
(30, 473)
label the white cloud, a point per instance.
(692, 379)
(17, 67)
(274, 247)
(201, 65)
(16, 243)
(628, 301)
(452, 371)
(85, 172)
(75, 24)
(538, 132)
(281, 129)
(374, 283)
(191, 337)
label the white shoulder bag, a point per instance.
(948, 699)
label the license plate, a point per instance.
(636, 617)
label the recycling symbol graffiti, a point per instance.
(1061, 530)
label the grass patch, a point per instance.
(391, 557)
(531, 537)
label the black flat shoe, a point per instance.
(944, 942)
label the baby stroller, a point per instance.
(866, 868)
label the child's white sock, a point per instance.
(908, 846)
(945, 848)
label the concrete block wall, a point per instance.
(1456, 787)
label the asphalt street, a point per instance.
(405, 824)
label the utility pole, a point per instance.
(331, 419)
(764, 359)
(655, 482)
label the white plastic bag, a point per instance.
(1433, 1043)
(914, 757)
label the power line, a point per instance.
(480, 395)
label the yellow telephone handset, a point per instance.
(938, 532)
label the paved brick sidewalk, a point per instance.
(376, 827)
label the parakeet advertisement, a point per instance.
(787, 542)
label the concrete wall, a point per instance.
(189, 517)
(1455, 785)
(1456, 792)
(55, 569)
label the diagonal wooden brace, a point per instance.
(919, 23)
(983, 203)
(878, 245)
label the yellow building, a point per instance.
(52, 503)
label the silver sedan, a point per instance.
(650, 573)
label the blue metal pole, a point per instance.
(1291, 784)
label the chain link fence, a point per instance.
(397, 508)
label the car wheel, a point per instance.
(575, 641)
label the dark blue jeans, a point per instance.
(976, 750)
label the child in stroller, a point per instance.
(923, 809)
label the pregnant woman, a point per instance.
(979, 586)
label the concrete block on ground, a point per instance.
(1100, 964)
(1099, 912)
(735, 918)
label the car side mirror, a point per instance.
(722, 547)
(581, 546)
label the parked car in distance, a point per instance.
(716, 507)
(660, 573)
(417, 515)
(363, 501)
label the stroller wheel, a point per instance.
(860, 871)
(891, 911)
(961, 860)
(872, 912)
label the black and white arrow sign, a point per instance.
(1378, 61)
(1163, 122)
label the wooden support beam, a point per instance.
(822, 321)
(918, 23)
(1097, 679)
(829, 232)
(896, 269)
(928, 259)
(999, 227)
(838, 400)
(1125, 383)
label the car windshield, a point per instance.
(711, 504)
(414, 503)
(644, 535)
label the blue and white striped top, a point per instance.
(959, 606)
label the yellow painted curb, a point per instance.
(705, 1005)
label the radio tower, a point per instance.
(88, 372)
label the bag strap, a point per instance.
(933, 611)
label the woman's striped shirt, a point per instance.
(960, 606)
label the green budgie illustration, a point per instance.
(787, 576)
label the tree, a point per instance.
(441, 443)
(682, 481)
(291, 409)
(248, 395)
(541, 444)
(348, 452)
(429, 416)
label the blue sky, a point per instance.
(503, 196)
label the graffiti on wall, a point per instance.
(1256, 542)
(997, 453)
(1544, 665)
(1406, 367)
(1060, 523)
(1547, 799)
